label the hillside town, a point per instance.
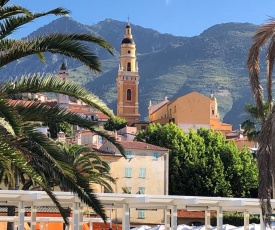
(63, 167)
(145, 168)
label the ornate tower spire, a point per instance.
(127, 80)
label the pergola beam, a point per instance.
(33, 199)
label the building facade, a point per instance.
(128, 80)
(192, 110)
(143, 171)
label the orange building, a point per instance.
(192, 110)
(127, 80)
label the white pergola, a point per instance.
(170, 205)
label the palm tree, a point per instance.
(87, 167)
(23, 147)
(253, 124)
(266, 151)
(85, 163)
(21, 143)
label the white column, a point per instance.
(246, 220)
(81, 218)
(167, 216)
(76, 216)
(33, 217)
(91, 225)
(174, 216)
(111, 226)
(219, 218)
(21, 214)
(126, 217)
(207, 219)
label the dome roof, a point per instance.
(127, 41)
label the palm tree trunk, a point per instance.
(68, 212)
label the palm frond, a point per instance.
(7, 126)
(6, 43)
(36, 112)
(270, 57)
(13, 17)
(36, 84)
(3, 2)
(10, 116)
(254, 72)
(70, 45)
(9, 11)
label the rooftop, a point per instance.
(141, 145)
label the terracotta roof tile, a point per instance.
(141, 145)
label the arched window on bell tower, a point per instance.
(129, 95)
(128, 66)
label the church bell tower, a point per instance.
(63, 100)
(127, 80)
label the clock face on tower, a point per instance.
(128, 51)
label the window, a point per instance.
(143, 127)
(155, 156)
(141, 214)
(142, 172)
(129, 189)
(128, 172)
(129, 95)
(128, 66)
(175, 109)
(128, 154)
(170, 112)
(141, 190)
(100, 140)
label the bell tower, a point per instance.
(63, 100)
(127, 80)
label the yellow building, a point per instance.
(127, 80)
(192, 110)
(144, 171)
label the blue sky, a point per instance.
(177, 17)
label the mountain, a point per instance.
(212, 62)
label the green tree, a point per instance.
(55, 128)
(115, 123)
(204, 163)
(264, 37)
(240, 167)
(21, 146)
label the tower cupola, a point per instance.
(128, 38)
